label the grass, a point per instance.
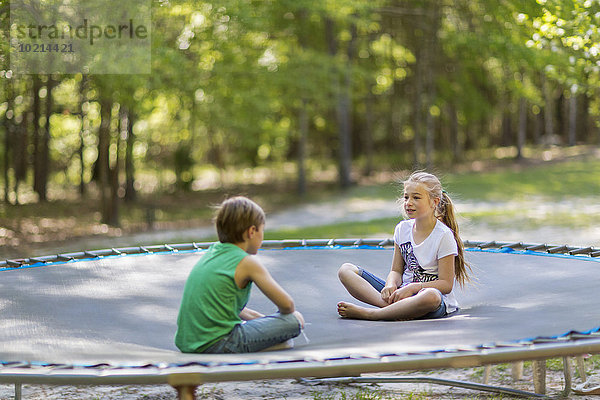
(551, 181)
(24, 227)
(383, 227)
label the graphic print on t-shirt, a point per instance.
(411, 262)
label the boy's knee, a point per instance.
(347, 268)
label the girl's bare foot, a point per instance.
(349, 310)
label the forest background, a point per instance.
(286, 100)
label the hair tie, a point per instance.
(444, 192)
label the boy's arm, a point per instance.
(249, 269)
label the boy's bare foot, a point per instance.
(349, 310)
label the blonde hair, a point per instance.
(446, 214)
(234, 216)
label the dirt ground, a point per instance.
(500, 375)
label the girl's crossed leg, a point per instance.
(366, 287)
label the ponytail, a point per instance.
(445, 213)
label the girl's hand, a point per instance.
(387, 292)
(407, 291)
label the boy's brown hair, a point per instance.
(234, 216)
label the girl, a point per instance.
(428, 258)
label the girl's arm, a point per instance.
(247, 314)
(445, 280)
(249, 269)
(394, 278)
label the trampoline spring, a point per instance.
(169, 248)
(116, 252)
(91, 254)
(344, 242)
(291, 243)
(316, 242)
(385, 242)
(595, 253)
(488, 245)
(579, 335)
(581, 250)
(15, 263)
(537, 247)
(64, 257)
(558, 249)
(144, 250)
(35, 260)
(358, 242)
(515, 245)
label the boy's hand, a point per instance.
(247, 314)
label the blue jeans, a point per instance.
(258, 334)
(379, 284)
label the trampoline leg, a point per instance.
(18, 391)
(568, 376)
(539, 376)
(517, 370)
(185, 384)
(581, 368)
(186, 392)
(486, 374)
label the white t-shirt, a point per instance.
(421, 260)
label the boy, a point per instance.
(213, 317)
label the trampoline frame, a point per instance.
(188, 376)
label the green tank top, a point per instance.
(211, 301)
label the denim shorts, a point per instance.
(379, 284)
(258, 334)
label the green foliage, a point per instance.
(231, 79)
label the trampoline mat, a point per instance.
(122, 310)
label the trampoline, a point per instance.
(109, 316)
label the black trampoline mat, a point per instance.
(123, 310)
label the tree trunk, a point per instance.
(114, 172)
(537, 128)
(454, 139)
(548, 113)
(41, 185)
(102, 163)
(19, 150)
(521, 132)
(573, 117)
(343, 111)
(431, 52)
(130, 192)
(8, 133)
(418, 109)
(302, 139)
(36, 131)
(368, 134)
(85, 127)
